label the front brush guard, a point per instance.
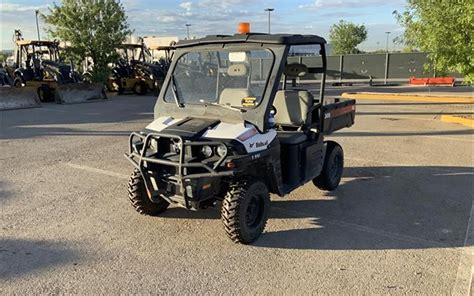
(139, 159)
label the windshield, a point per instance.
(225, 77)
(41, 52)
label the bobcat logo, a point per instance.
(258, 144)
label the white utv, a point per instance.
(230, 130)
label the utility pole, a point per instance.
(269, 10)
(386, 45)
(378, 46)
(187, 29)
(37, 25)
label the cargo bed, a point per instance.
(336, 115)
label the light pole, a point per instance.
(269, 10)
(187, 29)
(37, 26)
(386, 45)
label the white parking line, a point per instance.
(465, 272)
(96, 170)
(447, 171)
(370, 230)
(471, 140)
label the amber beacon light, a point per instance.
(244, 28)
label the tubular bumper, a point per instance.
(140, 158)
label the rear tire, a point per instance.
(139, 198)
(333, 167)
(140, 88)
(245, 210)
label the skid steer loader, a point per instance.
(39, 67)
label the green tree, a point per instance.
(444, 29)
(345, 36)
(90, 28)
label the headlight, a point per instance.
(222, 150)
(206, 151)
(151, 77)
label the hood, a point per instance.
(192, 128)
(189, 127)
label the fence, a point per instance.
(390, 67)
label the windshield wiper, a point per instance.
(224, 106)
(175, 93)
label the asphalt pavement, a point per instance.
(400, 222)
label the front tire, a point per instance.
(245, 210)
(139, 198)
(333, 167)
(45, 94)
(18, 82)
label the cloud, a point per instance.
(10, 16)
(166, 19)
(187, 6)
(345, 4)
(13, 7)
(224, 3)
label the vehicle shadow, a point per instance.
(374, 208)
(20, 257)
(4, 192)
(414, 113)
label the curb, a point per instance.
(459, 120)
(403, 97)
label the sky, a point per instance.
(168, 18)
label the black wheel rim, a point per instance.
(335, 167)
(254, 212)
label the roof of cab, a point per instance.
(288, 39)
(36, 42)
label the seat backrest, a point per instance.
(293, 107)
(233, 96)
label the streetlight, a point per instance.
(37, 26)
(386, 45)
(269, 10)
(187, 29)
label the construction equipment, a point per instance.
(166, 55)
(38, 66)
(15, 98)
(135, 71)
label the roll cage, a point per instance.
(278, 44)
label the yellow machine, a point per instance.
(37, 65)
(134, 71)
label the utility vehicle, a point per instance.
(232, 125)
(134, 71)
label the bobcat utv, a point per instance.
(38, 65)
(229, 128)
(134, 71)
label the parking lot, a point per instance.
(398, 224)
